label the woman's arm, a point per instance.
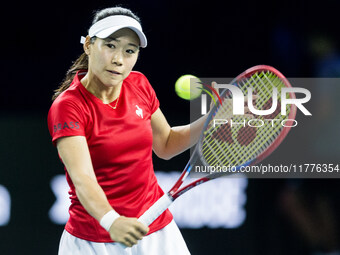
(171, 141)
(75, 155)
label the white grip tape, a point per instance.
(156, 209)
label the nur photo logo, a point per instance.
(254, 107)
(257, 105)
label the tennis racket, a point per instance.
(223, 145)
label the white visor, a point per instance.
(105, 27)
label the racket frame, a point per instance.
(175, 192)
(164, 202)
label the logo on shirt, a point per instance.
(139, 112)
(68, 125)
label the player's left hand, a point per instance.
(127, 231)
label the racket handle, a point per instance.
(156, 209)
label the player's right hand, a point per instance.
(127, 231)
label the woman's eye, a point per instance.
(110, 45)
(130, 51)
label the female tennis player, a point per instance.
(105, 121)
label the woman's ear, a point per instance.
(87, 44)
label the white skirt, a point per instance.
(167, 241)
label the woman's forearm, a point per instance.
(92, 197)
(76, 158)
(184, 137)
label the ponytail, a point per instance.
(80, 64)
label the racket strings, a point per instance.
(226, 145)
(246, 132)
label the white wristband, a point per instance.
(108, 219)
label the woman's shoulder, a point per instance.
(138, 80)
(70, 97)
(142, 87)
(136, 76)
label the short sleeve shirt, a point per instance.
(120, 145)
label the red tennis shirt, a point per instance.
(120, 144)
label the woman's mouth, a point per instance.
(114, 72)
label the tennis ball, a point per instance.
(188, 87)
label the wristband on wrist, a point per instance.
(108, 219)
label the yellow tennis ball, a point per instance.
(188, 87)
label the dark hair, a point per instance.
(82, 62)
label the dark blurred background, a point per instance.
(208, 39)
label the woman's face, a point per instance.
(111, 60)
